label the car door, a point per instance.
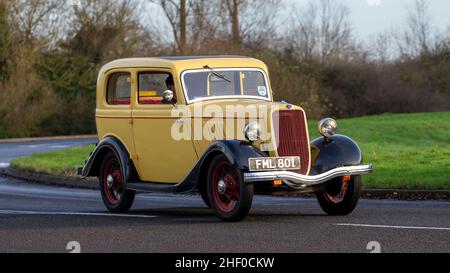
(160, 157)
(113, 112)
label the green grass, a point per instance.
(408, 151)
(61, 162)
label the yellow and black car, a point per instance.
(210, 124)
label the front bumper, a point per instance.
(299, 181)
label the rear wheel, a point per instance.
(230, 198)
(341, 195)
(113, 186)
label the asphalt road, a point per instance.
(37, 218)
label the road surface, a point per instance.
(38, 218)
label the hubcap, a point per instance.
(113, 181)
(110, 181)
(221, 187)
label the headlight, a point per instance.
(252, 131)
(327, 127)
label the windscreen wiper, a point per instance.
(216, 73)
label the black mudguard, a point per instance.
(336, 151)
(93, 163)
(237, 152)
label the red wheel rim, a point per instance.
(225, 186)
(339, 196)
(113, 181)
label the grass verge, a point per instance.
(61, 162)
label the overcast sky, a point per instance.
(370, 17)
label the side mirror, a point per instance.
(168, 95)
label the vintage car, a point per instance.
(209, 124)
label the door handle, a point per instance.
(181, 121)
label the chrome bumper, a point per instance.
(299, 181)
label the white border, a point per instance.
(188, 101)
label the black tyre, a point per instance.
(230, 198)
(112, 185)
(340, 196)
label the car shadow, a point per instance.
(196, 213)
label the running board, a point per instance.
(152, 187)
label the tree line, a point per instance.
(52, 50)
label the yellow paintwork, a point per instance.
(145, 130)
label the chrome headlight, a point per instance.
(327, 127)
(252, 131)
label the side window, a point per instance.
(152, 85)
(119, 89)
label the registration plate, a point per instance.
(274, 163)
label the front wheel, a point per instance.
(341, 195)
(113, 185)
(230, 198)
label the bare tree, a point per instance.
(303, 35)
(418, 36)
(193, 23)
(322, 28)
(32, 19)
(233, 8)
(4, 40)
(249, 20)
(102, 30)
(382, 47)
(203, 25)
(176, 12)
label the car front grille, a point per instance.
(291, 136)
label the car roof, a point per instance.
(186, 62)
(184, 58)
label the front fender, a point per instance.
(93, 163)
(337, 151)
(237, 152)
